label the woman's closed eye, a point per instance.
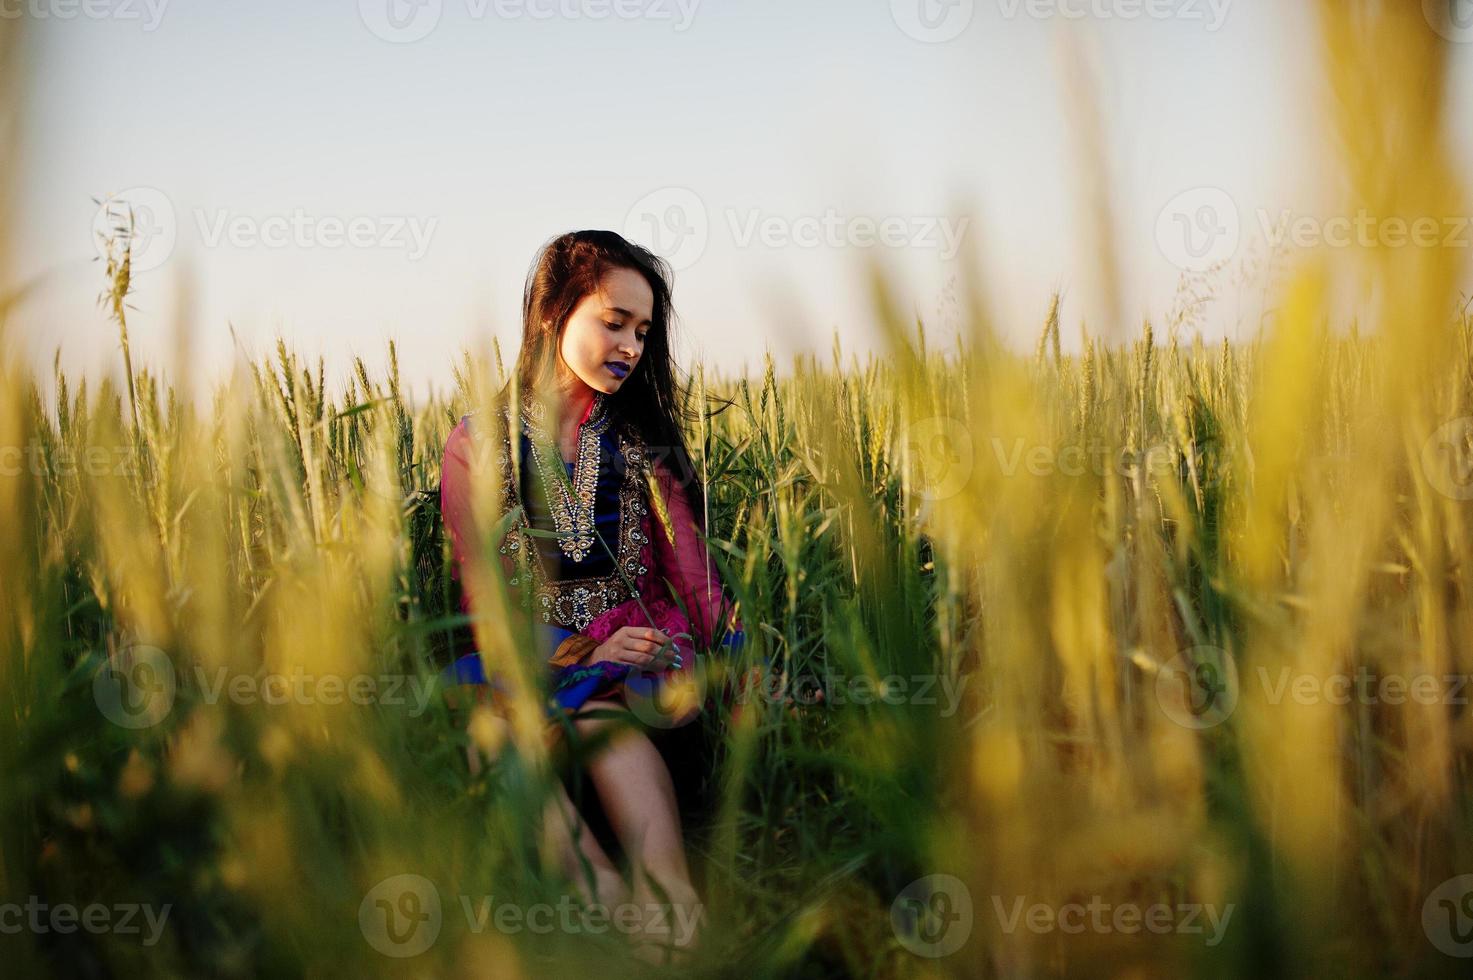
(616, 328)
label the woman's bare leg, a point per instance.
(559, 820)
(637, 793)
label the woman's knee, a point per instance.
(614, 718)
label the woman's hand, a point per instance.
(643, 647)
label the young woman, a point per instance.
(622, 590)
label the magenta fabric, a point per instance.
(684, 562)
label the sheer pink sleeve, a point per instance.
(456, 484)
(682, 574)
(687, 566)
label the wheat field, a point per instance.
(1142, 659)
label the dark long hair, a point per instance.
(650, 403)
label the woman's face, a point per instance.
(607, 330)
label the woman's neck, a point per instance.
(574, 399)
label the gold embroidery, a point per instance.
(575, 603)
(571, 507)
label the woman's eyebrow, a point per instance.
(626, 314)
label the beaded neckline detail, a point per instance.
(572, 503)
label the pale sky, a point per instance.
(761, 144)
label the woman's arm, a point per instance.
(682, 574)
(685, 574)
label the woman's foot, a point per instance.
(670, 923)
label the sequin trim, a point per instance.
(571, 506)
(575, 603)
